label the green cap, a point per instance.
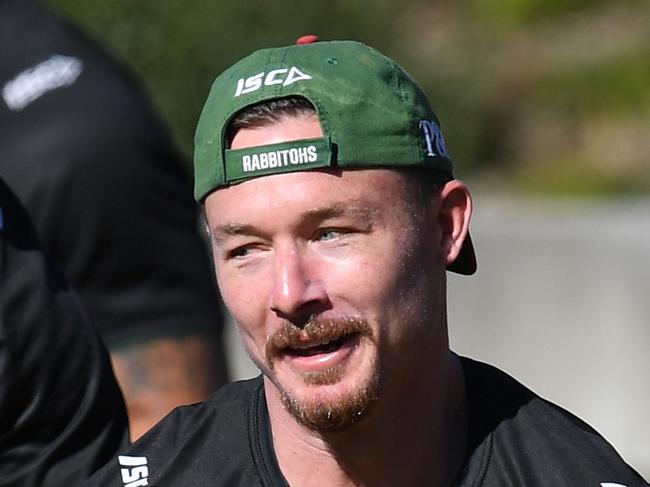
(372, 113)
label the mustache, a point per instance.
(316, 331)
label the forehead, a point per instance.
(292, 197)
(287, 129)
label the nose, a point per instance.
(298, 292)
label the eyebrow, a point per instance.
(220, 232)
(335, 210)
(231, 230)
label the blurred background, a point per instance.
(545, 105)
(534, 95)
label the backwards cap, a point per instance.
(372, 113)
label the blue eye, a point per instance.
(329, 234)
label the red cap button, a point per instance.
(308, 39)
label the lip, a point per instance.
(320, 361)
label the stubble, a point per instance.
(349, 407)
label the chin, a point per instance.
(329, 401)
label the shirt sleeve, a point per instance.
(122, 223)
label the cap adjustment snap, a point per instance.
(307, 39)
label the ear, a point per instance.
(454, 214)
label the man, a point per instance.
(109, 197)
(334, 215)
(61, 413)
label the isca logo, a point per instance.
(280, 76)
(135, 472)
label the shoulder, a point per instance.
(522, 439)
(195, 445)
(53, 63)
(229, 406)
(220, 422)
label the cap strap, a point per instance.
(297, 155)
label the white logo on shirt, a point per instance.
(136, 472)
(611, 484)
(56, 72)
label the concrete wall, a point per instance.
(561, 301)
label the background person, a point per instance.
(61, 413)
(110, 200)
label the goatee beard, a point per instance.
(313, 413)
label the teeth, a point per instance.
(307, 345)
(315, 348)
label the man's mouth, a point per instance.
(317, 337)
(309, 349)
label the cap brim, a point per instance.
(465, 263)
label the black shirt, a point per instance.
(107, 193)
(515, 439)
(61, 413)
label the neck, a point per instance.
(415, 437)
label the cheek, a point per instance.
(403, 287)
(244, 299)
(380, 282)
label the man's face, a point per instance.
(333, 278)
